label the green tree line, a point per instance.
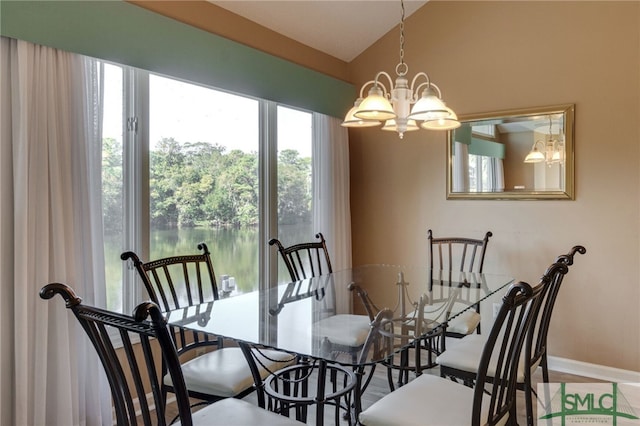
(201, 184)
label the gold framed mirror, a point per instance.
(523, 154)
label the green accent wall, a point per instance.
(127, 34)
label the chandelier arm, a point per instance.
(364, 86)
(415, 78)
(437, 89)
(384, 88)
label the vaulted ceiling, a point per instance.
(342, 29)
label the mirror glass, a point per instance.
(516, 154)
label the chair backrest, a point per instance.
(177, 282)
(501, 355)
(452, 258)
(305, 260)
(536, 341)
(135, 375)
(457, 254)
(536, 345)
(568, 258)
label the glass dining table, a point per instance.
(293, 317)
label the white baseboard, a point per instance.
(593, 371)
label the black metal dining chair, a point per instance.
(211, 370)
(305, 260)
(461, 361)
(450, 256)
(133, 373)
(430, 399)
(451, 260)
(339, 332)
(453, 257)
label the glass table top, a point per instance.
(299, 316)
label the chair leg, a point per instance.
(347, 403)
(303, 408)
(418, 359)
(356, 407)
(392, 387)
(403, 377)
(431, 346)
(528, 398)
(320, 394)
(428, 348)
(513, 420)
(545, 368)
(164, 395)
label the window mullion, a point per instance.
(268, 202)
(136, 178)
(268, 190)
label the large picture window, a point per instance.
(181, 165)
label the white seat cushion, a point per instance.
(344, 329)
(225, 372)
(465, 323)
(426, 400)
(235, 412)
(465, 356)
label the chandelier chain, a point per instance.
(402, 68)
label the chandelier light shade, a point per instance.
(449, 122)
(430, 105)
(402, 106)
(351, 120)
(375, 106)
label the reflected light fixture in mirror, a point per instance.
(394, 106)
(552, 150)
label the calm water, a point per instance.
(234, 252)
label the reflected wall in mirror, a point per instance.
(515, 154)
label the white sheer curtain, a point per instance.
(51, 230)
(331, 199)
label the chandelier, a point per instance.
(551, 151)
(393, 106)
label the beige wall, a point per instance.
(489, 56)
